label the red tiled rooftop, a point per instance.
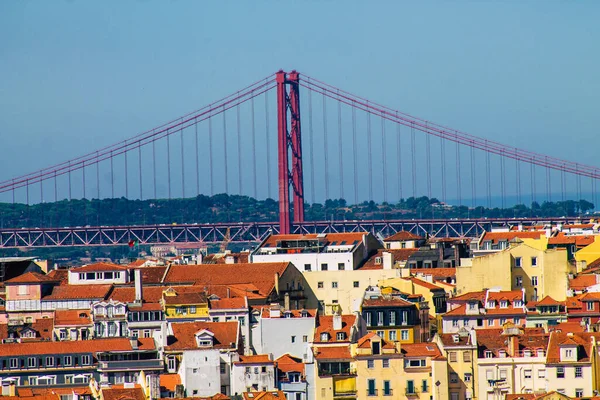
(232, 303)
(403, 236)
(99, 267)
(225, 334)
(31, 278)
(348, 237)
(287, 363)
(255, 359)
(72, 292)
(66, 347)
(386, 301)
(72, 318)
(510, 295)
(398, 255)
(168, 382)
(421, 350)
(326, 326)
(582, 282)
(115, 393)
(497, 237)
(332, 353)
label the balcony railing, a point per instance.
(105, 366)
(372, 392)
(389, 392)
(412, 392)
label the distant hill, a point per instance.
(233, 208)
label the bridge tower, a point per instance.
(289, 141)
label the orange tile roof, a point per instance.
(365, 342)
(497, 237)
(287, 363)
(186, 298)
(169, 381)
(150, 294)
(31, 278)
(581, 339)
(232, 303)
(479, 296)
(261, 275)
(436, 273)
(274, 395)
(72, 318)
(221, 258)
(423, 283)
(568, 327)
(153, 275)
(332, 353)
(326, 326)
(225, 333)
(383, 301)
(511, 295)
(80, 390)
(398, 254)
(549, 301)
(402, 236)
(59, 275)
(123, 394)
(43, 328)
(582, 282)
(67, 347)
(421, 350)
(348, 237)
(255, 359)
(99, 267)
(311, 313)
(72, 292)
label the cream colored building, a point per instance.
(520, 266)
(432, 293)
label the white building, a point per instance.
(253, 373)
(99, 274)
(232, 309)
(318, 252)
(278, 331)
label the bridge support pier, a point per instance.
(289, 173)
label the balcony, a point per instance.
(410, 393)
(372, 393)
(132, 365)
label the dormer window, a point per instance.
(526, 353)
(324, 337)
(340, 336)
(540, 353)
(473, 306)
(204, 338)
(455, 338)
(488, 354)
(304, 314)
(503, 304)
(287, 314)
(205, 342)
(502, 354)
(517, 303)
(491, 304)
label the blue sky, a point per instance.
(78, 75)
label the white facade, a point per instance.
(512, 375)
(280, 335)
(332, 261)
(98, 277)
(248, 377)
(573, 380)
(200, 372)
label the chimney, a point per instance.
(137, 278)
(228, 292)
(520, 227)
(12, 389)
(388, 260)
(199, 258)
(277, 282)
(405, 272)
(229, 259)
(337, 322)
(134, 343)
(275, 311)
(286, 301)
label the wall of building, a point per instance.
(274, 336)
(244, 376)
(589, 253)
(200, 372)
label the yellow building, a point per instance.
(588, 254)
(434, 295)
(460, 349)
(387, 370)
(520, 266)
(187, 304)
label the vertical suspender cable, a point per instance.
(594, 196)
(383, 159)
(578, 182)
(532, 174)
(548, 183)
(83, 179)
(225, 151)
(488, 179)
(310, 146)
(354, 153)
(97, 178)
(197, 158)
(169, 164)
(399, 159)
(254, 178)
(42, 198)
(239, 147)
(413, 161)
(563, 182)
(325, 147)
(458, 177)
(341, 159)
(502, 180)
(140, 170)
(473, 186)
(519, 200)
(154, 167)
(182, 163)
(428, 161)
(443, 151)
(126, 174)
(267, 144)
(210, 156)
(369, 153)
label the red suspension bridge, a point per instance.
(340, 146)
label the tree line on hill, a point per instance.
(235, 208)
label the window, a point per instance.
(324, 337)
(590, 306)
(578, 393)
(368, 318)
(534, 281)
(320, 285)
(307, 267)
(370, 364)
(340, 336)
(503, 374)
(491, 322)
(455, 323)
(453, 377)
(578, 372)
(67, 360)
(381, 334)
(341, 266)
(502, 321)
(304, 338)
(334, 285)
(468, 377)
(560, 372)
(31, 362)
(534, 261)
(452, 356)
(392, 317)
(519, 281)
(392, 336)
(472, 306)
(425, 386)
(488, 354)
(324, 267)
(385, 363)
(180, 310)
(387, 388)
(371, 391)
(491, 304)
(192, 309)
(355, 284)
(503, 304)
(569, 353)
(517, 321)
(171, 364)
(466, 356)
(222, 368)
(527, 374)
(414, 363)
(49, 361)
(380, 318)
(85, 360)
(410, 387)
(404, 334)
(293, 339)
(517, 262)
(541, 373)
(14, 363)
